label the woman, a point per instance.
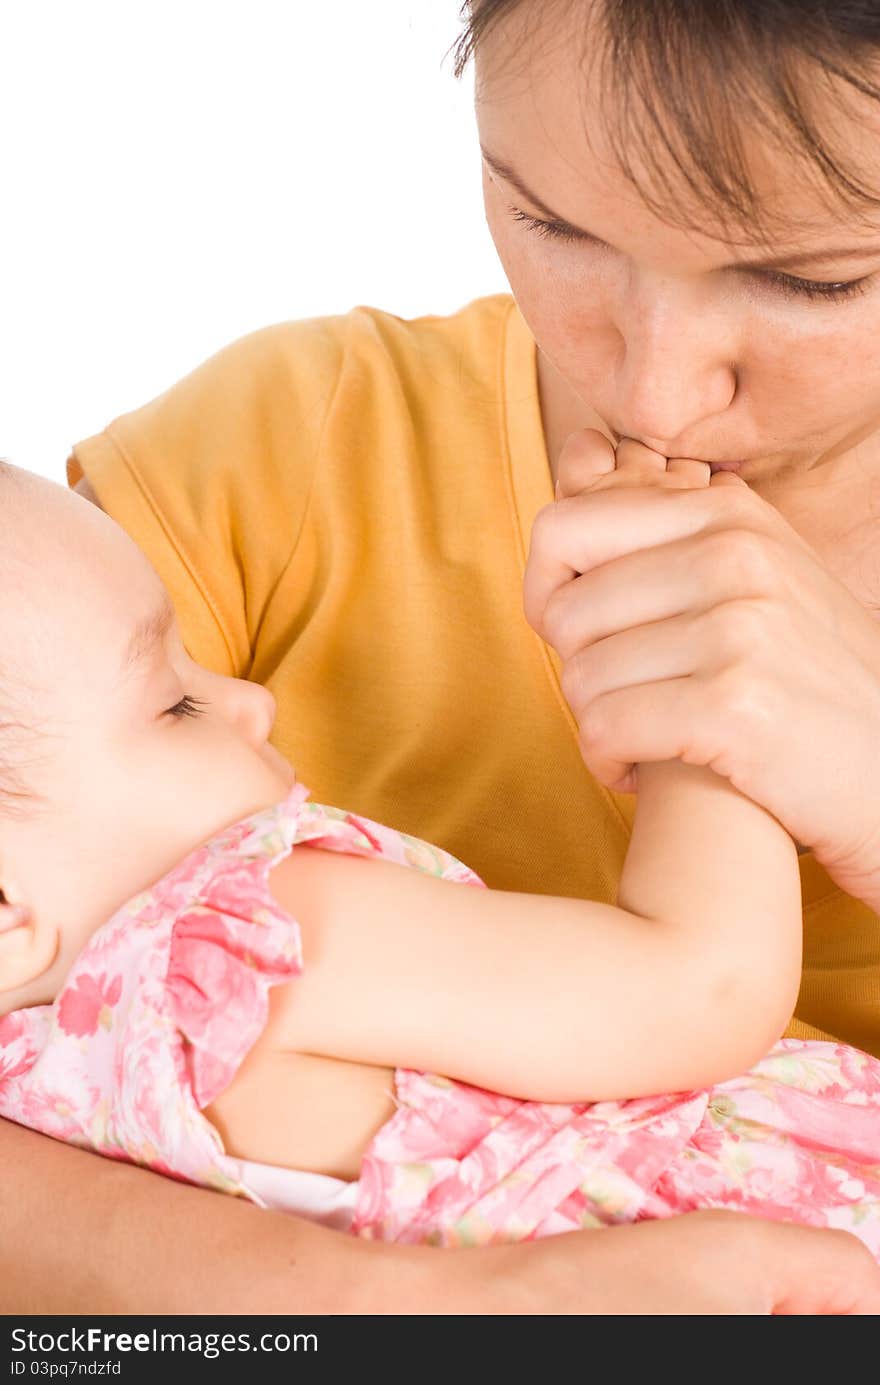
(342, 508)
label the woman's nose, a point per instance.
(677, 365)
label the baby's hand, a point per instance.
(588, 462)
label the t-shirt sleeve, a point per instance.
(212, 478)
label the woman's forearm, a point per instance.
(80, 1233)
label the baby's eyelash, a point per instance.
(783, 283)
(187, 707)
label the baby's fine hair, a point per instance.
(20, 736)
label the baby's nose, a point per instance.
(255, 710)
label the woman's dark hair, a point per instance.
(690, 77)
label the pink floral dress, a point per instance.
(168, 997)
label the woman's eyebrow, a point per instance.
(793, 258)
(148, 632)
(504, 171)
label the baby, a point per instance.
(211, 975)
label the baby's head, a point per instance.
(118, 753)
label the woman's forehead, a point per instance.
(549, 103)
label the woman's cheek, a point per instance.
(515, 260)
(801, 383)
(551, 315)
(576, 331)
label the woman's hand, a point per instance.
(702, 1263)
(704, 628)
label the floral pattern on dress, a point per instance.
(166, 999)
(797, 1138)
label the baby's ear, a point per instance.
(26, 951)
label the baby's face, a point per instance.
(141, 753)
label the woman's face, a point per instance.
(662, 331)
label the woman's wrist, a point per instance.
(856, 870)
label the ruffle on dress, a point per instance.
(166, 999)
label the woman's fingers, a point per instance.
(580, 533)
(656, 721)
(689, 575)
(683, 646)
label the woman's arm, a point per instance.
(120, 1240)
(689, 982)
(84, 1234)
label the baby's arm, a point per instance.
(688, 981)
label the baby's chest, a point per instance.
(301, 1111)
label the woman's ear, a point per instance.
(27, 950)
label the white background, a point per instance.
(176, 173)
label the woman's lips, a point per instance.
(725, 466)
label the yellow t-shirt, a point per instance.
(341, 510)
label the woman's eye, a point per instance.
(781, 283)
(550, 230)
(809, 288)
(186, 707)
